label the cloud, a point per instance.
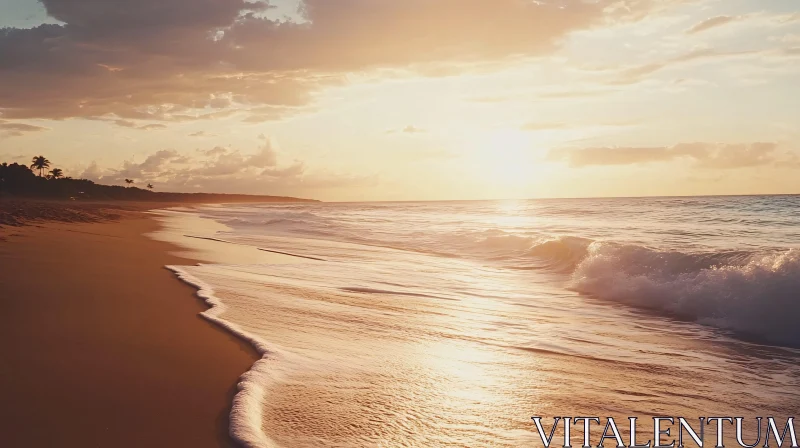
(168, 163)
(638, 73)
(15, 129)
(92, 172)
(296, 169)
(214, 152)
(349, 35)
(152, 165)
(155, 163)
(145, 127)
(223, 161)
(125, 124)
(181, 60)
(711, 23)
(789, 18)
(729, 156)
(266, 157)
(612, 155)
(263, 114)
(153, 127)
(226, 170)
(704, 155)
(410, 129)
(791, 51)
(789, 38)
(202, 134)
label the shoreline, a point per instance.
(113, 350)
(243, 427)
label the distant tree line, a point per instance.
(39, 180)
(21, 181)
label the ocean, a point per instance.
(450, 324)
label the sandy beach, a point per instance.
(102, 346)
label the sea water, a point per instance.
(450, 324)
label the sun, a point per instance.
(506, 158)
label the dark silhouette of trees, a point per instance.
(129, 181)
(21, 181)
(149, 186)
(16, 176)
(40, 163)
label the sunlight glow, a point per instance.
(504, 157)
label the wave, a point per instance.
(750, 293)
(755, 294)
(562, 253)
(246, 411)
(284, 218)
(285, 222)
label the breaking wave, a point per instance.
(562, 253)
(753, 294)
(730, 263)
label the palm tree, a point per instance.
(149, 186)
(129, 181)
(40, 163)
(56, 173)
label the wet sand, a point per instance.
(102, 346)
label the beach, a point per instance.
(101, 345)
(350, 325)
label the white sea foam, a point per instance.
(756, 294)
(388, 343)
(245, 418)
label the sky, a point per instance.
(357, 100)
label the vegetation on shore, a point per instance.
(35, 181)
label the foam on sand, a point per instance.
(246, 416)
